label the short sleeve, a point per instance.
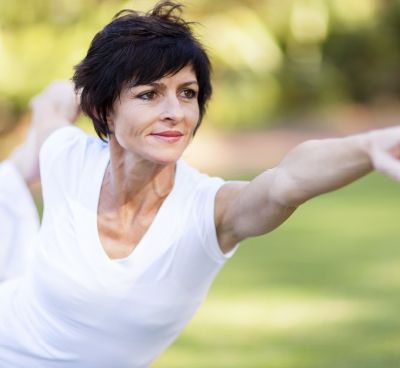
(205, 219)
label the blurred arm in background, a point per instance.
(53, 108)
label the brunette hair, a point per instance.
(138, 48)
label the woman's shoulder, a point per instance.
(195, 187)
(69, 136)
(195, 179)
(65, 155)
(68, 143)
(58, 141)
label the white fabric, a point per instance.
(78, 308)
(19, 223)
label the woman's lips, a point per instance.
(168, 135)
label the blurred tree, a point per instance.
(271, 57)
(368, 57)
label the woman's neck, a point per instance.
(133, 181)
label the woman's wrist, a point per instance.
(25, 158)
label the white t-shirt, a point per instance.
(78, 308)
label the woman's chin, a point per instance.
(165, 156)
(165, 159)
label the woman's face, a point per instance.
(156, 122)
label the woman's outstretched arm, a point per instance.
(310, 169)
(53, 108)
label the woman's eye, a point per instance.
(147, 96)
(189, 93)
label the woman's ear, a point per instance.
(110, 122)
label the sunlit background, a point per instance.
(324, 290)
(278, 58)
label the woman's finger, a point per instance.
(386, 163)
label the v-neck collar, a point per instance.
(153, 243)
(148, 232)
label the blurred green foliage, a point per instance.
(271, 58)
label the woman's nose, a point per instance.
(172, 109)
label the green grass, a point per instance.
(323, 291)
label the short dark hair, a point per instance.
(139, 48)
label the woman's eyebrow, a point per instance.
(186, 84)
(163, 86)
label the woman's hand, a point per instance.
(384, 151)
(59, 96)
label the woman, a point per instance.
(132, 237)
